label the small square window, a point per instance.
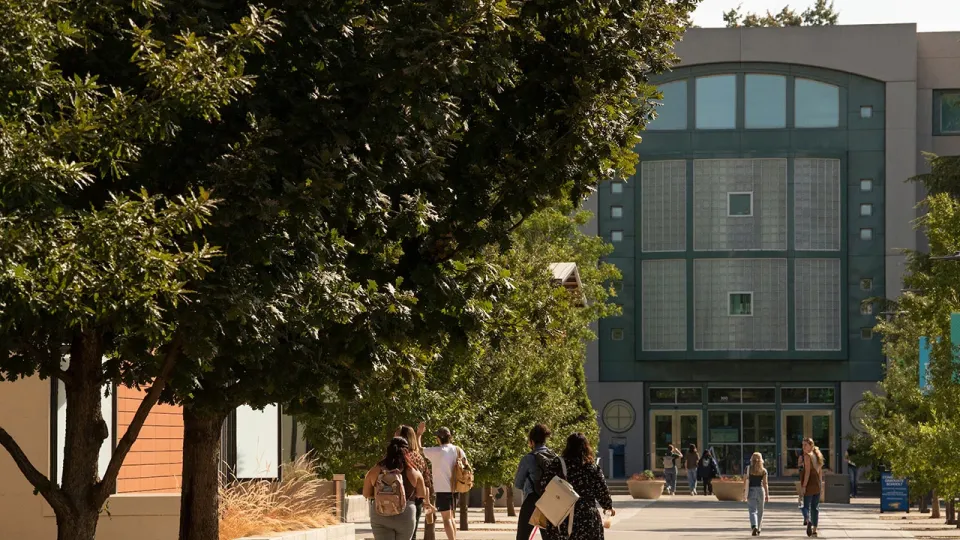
(741, 304)
(866, 308)
(866, 284)
(866, 234)
(866, 184)
(616, 188)
(866, 209)
(739, 204)
(866, 333)
(616, 236)
(616, 212)
(866, 111)
(616, 334)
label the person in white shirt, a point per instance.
(443, 459)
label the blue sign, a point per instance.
(894, 494)
(925, 350)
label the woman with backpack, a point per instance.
(587, 480)
(529, 475)
(707, 471)
(393, 486)
(418, 462)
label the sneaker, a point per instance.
(755, 532)
(809, 529)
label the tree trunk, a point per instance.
(935, 514)
(923, 504)
(951, 511)
(199, 497)
(488, 514)
(77, 527)
(465, 511)
(511, 508)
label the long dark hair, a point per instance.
(578, 449)
(396, 456)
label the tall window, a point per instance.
(947, 104)
(672, 113)
(765, 101)
(717, 102)
(817, 104)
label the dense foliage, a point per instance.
(528, 368)
(821, 13)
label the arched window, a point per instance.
(817, 104)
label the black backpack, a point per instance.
(545, 459)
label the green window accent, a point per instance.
(616, 334)
(616, 212)
(740, 204)
(616, 188)
(717, 102)
(672, 112)
(866, 185)
(765, 102)
(816, 104)
(741, 303)
(866, 209)
(866, 234)
(946, 112)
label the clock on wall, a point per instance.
(856, 417)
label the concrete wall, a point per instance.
(602, 393)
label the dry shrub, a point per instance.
(263, 507)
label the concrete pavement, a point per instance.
(705, 518)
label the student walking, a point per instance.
(529, 477)
(443, 459)
(690, 462)
(811, 482)
(418, 462)
(800, 469)
(852, 471)
(393, 486)
(707, 471)
(588, 481)
(756, 491)
(671, 462)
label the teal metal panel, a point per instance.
(866, 140)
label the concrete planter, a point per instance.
(346, 531)
(646, 489)
(728, 491)
(356, 509)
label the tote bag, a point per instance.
(558, 500)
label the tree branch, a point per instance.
(37, 479)
(107, 484)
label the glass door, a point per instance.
(798, 425)
(679, 428)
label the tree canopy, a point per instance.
(821, 13)
(527, 367)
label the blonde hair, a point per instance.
(816, 451)
(756, 465)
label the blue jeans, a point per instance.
(755, 498)
(670, 475)
(852, 473)
(811, 508)
(692, 480)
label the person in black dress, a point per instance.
(588, 481)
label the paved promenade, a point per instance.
(702, 518)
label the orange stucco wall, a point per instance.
(154, 463)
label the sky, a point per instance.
(930, 15)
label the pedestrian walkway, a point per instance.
(705, 518)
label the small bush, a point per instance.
(264, 507)
(644, 476)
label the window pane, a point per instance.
(739, 204)
(866, 234)
(616, 212)
(724, 426)
(793, 395)
(866, 209)
(723, 395)
(866, 308)
(729, 458)
(717, 102)
(766, 101)
(866, 284)
(817, 104)
(741, 304)
(616, 236)
(672, 114)
(821, 395)
(663, 395)
(866, 333)
(769, 453)
(866, 111)
(616, 187)
(257, 436)
(950, 112)
(759, 427)
(866, 184)
(689, 395)
(759, 395)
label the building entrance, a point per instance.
(798, 425)
(679, 428)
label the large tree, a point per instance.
(821, 13)
(525, 367)
(93, 264)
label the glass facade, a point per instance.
(672, 112)
(717, 102)
(816, 104)
(766, 101)
(949, 116)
